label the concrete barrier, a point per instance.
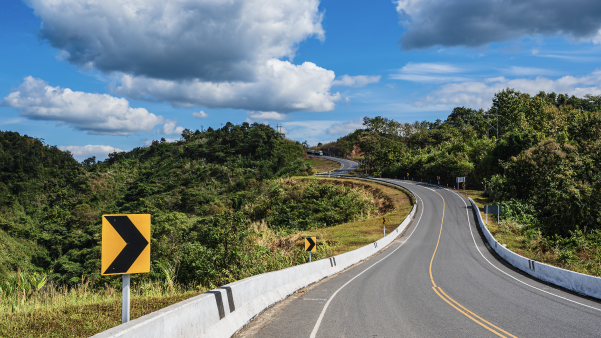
(578, 282)
(220, 313)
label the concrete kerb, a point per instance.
(578, 282)
(221, 312)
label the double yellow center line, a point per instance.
(469, 314)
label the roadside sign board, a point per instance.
(384, 220)
(310, 244)
(407, 174)
(492, 209)
(460, 179)
(125, 244)
(437, 177)
(463, 185)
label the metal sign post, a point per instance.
(125, 299)
(492, 209)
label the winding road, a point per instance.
(346, 166)
(438, 280)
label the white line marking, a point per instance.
(534, 287)
(325, 307)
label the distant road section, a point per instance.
(347, 166)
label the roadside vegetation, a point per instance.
(395, 205)
(225, 204)
(580, 251)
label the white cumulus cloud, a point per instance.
(170, 128)
(201, 114)
(356, 81)
(479, 94)
(196, 53)
(346, 127)
(209, 40)
(94, 113)
(267, 115)
(282, 87)
(81, 153)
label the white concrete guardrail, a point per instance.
(221, 312)
(578, 282)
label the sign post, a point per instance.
(125, 298)
(310, 245)
(125, 250)
(438, 178)
(492, 209)
(384, 222)
(460, 180)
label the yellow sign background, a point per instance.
(113, 244)
(307, 244)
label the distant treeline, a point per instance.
(546, 158)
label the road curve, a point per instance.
(346, 166)
(439, 280)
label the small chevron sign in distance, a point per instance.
(310, 244)
(125, 244)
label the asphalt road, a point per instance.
(346, 166)
(438, 280)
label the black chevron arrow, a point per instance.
(136, 243)
(311, 244)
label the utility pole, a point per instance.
(488, 123)
(498, 122)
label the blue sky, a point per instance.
(109, 75)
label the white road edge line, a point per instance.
(325, 307)
(534, 287)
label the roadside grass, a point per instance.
(580, 253)
(321, 164)
(81, 312)
(353, 235)
(58, 311)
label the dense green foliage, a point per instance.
(546, 157)
(304, 205)
(204, 193)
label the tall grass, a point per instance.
(26, 292)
